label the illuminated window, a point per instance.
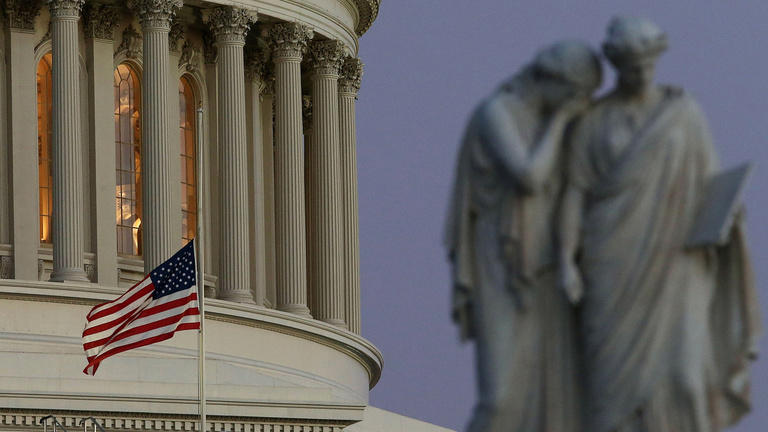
(128, 160)
(44, 140)
(188, 177)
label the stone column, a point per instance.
(255, 84)
(22, 134)
(309, 201)
(268, 149)
(289, 43)
(156, 152)
(211, 139)
(67, 221)
(5, 169)
(175, 43)
(349, 85)
(229, 26)
(100, 22)
(326, 58)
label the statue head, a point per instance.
(564, 71)
(633, 45)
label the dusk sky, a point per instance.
(428, 63)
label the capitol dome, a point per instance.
(108, 106)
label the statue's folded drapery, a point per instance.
(667, 331)
(501, 243)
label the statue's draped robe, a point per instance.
(666, 330)
(501, 242)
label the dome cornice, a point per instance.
(368, 10)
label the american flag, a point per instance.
(164, 302)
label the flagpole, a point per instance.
(200, 270)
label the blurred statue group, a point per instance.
(569, 237)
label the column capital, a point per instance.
(255, 66)
(230, 24)
(326, 57)
(351, 75)
(131, 42)
(176, 35)
(63, 9)
(156, 13)
(21, 14)
(99, 21)
(257, 60)
(289, 40)
(268, 84)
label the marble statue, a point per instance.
(580, 269)
(667, 331)
(501, 240)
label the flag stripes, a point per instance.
(149, 312)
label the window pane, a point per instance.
(44, 126)
(187, 131)
(127, 139)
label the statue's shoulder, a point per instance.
(496, 106)
(685, 102)
(594, 112)
(678, 95)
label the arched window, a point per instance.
(188, 173)
(128, 160)
(44, 140)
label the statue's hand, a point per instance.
(571, 283)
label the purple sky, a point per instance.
(428, 62)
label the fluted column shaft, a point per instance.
(349, 84)
(68, 248)
(289, 43)
(21, 129)
(159, 243)
(229, 26)
(309, 165)
(99, 24)
(269, 190)
(327, 255)
(257, 219)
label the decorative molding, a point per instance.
(176, 35)
(131, 43)
(367, 10)
(229, 24)
(326, 57)
(269, 90)
(6, 267)
(289, 40)
(30, 419)
(21, 14)
(99, 21)
(46, 37)
(218, 310)
(65, 8)
(155, 14)
(351, 75)
(189, 57)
